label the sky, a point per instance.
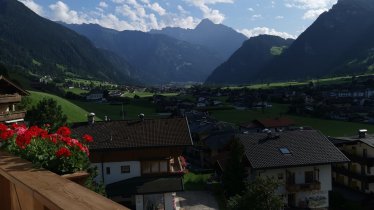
(285, 18)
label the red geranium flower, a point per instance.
(64, 131)
(3, 127)
(63, 152)
(88, 138)
(6, 134)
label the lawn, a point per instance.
(73, 112)
(77, 91)
(327, 127)
(194, 181)
(131, 110)
(144, 94)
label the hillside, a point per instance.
(32, 43)
(218, 38)
(340, 41)
(72, 111)
(248, 60)
(170, 59)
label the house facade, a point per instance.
(299, 160)
(359, 173)
(140, 162)
(10, 97)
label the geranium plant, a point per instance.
(57, 152)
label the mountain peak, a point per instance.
(206, 23)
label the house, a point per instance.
(10, 96)
(139, 161)
(274, 124)
(359, 173)
(300, 160)
(95, 96)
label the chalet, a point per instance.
(359, 173)
(300, 160)
(139, 161)
(10, 95)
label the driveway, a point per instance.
(196, 200)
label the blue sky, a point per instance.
(286, 18)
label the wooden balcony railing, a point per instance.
(303, 187)
(12, 116)
(10, 98)
(24, 187)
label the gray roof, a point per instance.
(307, 147)
(119, 135)
(369, 140)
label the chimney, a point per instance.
(362, 133)
(141, 116)
(91, 118)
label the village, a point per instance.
(154, 162)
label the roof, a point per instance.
(145, 185)
(368, 139)
(307, 147)
(118, 135)
(275, 122)
(8, 85)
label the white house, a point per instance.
(300, 160)
(139, 161)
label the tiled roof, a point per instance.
(369, 140)
(136, 134)
(276, 122)
(8, 85)
(307, 147)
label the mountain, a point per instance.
(340, 41)
(159, 58)
(38, 45)
(217, 37)
(247, 61)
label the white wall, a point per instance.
(169, 202)
(315, 197)
(115, 171)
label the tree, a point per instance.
(259, 195)
(234, 174)
(3, 70)
(47, 111)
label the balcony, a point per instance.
(359, 159)
(316, 185)
(12, 116)
(353, 174)
(24, 187)
(10, 98)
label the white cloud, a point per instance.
(256, 16)
(279, 17)
(157, 8)
(33, 6)
(213, 14)
(314, 7)
(102, 4)
(264, 30)
(251, 9)
(61, 12)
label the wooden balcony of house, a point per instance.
(8, 116)
(316, 185)
(10, 98)
(354, 174)
(24, 187)
(360, 159)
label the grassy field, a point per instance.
(73, 112)
(144, 94)
(77, 91)
(328, 127)
(132, 110)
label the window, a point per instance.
(285, 151)
(309, 176)
(150, 167)
(125, 169)
(107, 170)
